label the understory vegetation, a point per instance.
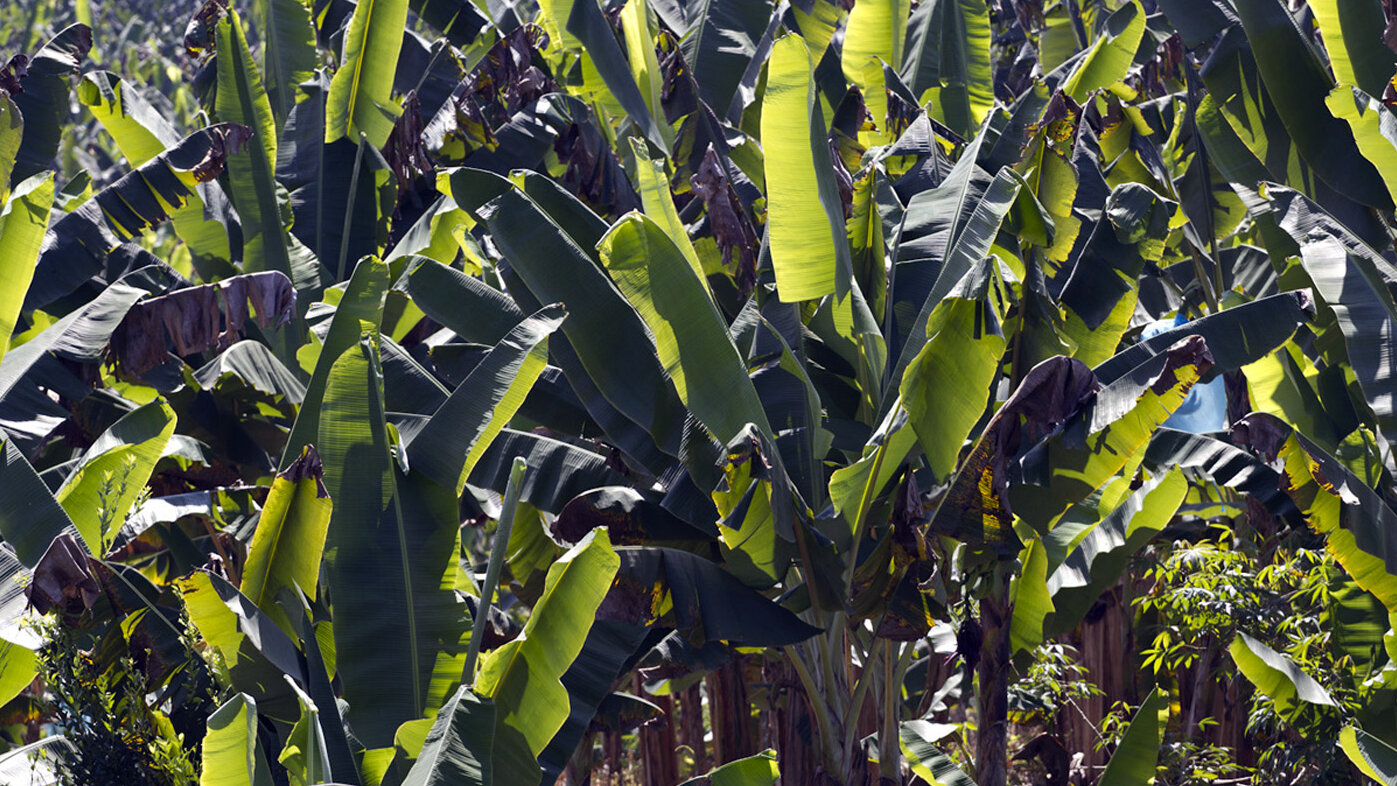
(714, 392)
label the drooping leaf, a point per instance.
(141, 133)
(76, 248)
(917, 740)
(195, 319)
(44, 99)
(1372, 756)
(1274, 674)
(458, 433)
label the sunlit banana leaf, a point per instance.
(806, 220)
(458, 433)
(1274, 674)
(23, 220)
(77, 247)
(290, 538)
(360, 101)
(522, 676)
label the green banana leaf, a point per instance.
(44, 99)
(805, 218)
(111, 475)
(720, 45)
(76, 248)
(1356, 521)
(30, 518)
(522, 676)
(589, 25)
(440, 291)
(758, 770)
(1297, 84)
(1370, 755)
(23, 221)
(1111, 54)
(558, 470)
(968, 248)
(448, 447)
(11, 134)
(609, 339)
(946, 387)
(304, 753)
(1102, 554)
(1374, 129)
(290, 538)
(142, 133)
(947, 59)
(391, 564)
(1133, 761)
(460, 748)
(289, 56)
(875, 34)
(240, 98)
(1274, 674)
(1351, 278)
(231, 753)
(360, 103)
(361, 302)
(1357, 56)
(690, 335)
(917, 740)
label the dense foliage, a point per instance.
(533, 391)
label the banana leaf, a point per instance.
(142, 133)
(452, 441)
(77, 247)
(1133, 761)
(1274, 674)
(522, 676)
(808, 245)
(23, 221)
(290, 538)
(721, 43)
(44, 99)
(391, 564)
(690, 335)
(360, 102)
